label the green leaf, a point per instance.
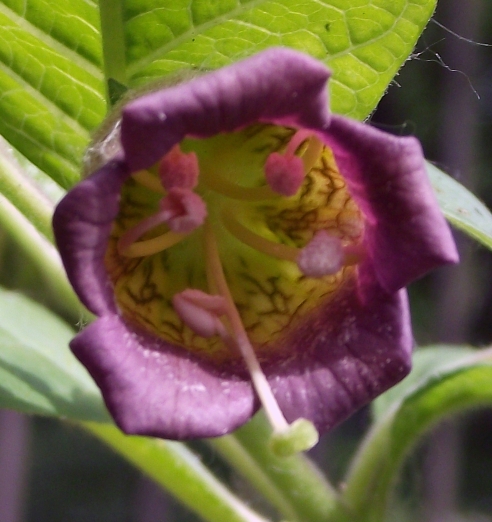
(173, 466)
(38, 373)
(449, 380)
(363, 41)
(464, 210)
(427, 364)
(52, 88)
(51, 83)
(18, 188)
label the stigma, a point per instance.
(283, 221)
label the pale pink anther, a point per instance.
(323, 255)
(284, 173)
(182, 210)
(179, 169)
(201, 311)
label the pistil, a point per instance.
(288, 438)
(217, 280)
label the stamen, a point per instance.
(248, 237)
(287, 438)
(132, 234)
(179, 169)
(201, 311)
(312, 153)
(152, 246)
(297, 140)
(284, 173)
(323, 255)
(181, 210)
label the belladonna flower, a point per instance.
(244, 247)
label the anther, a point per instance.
(325, 255)
(285, 172)
(181, 210)
(201, 311)
(179, 169)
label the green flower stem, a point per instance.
(293, 484)
(237, 456)
(368, 483)
(174, 467)
(113, 41)
(22, 193)
(43, 256)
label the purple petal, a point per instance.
(82, 224)
(345, 354)
(277, 85)
(153, 388)
(406, 233)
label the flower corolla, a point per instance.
(243, 246)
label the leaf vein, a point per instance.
(55, 44)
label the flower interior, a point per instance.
(228, 242)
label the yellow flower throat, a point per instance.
(255, 231)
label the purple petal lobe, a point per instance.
(153, 388)
(406, 233)
(278, 85)
(346, 354)
(82, 223)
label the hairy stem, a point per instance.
(293, 484)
